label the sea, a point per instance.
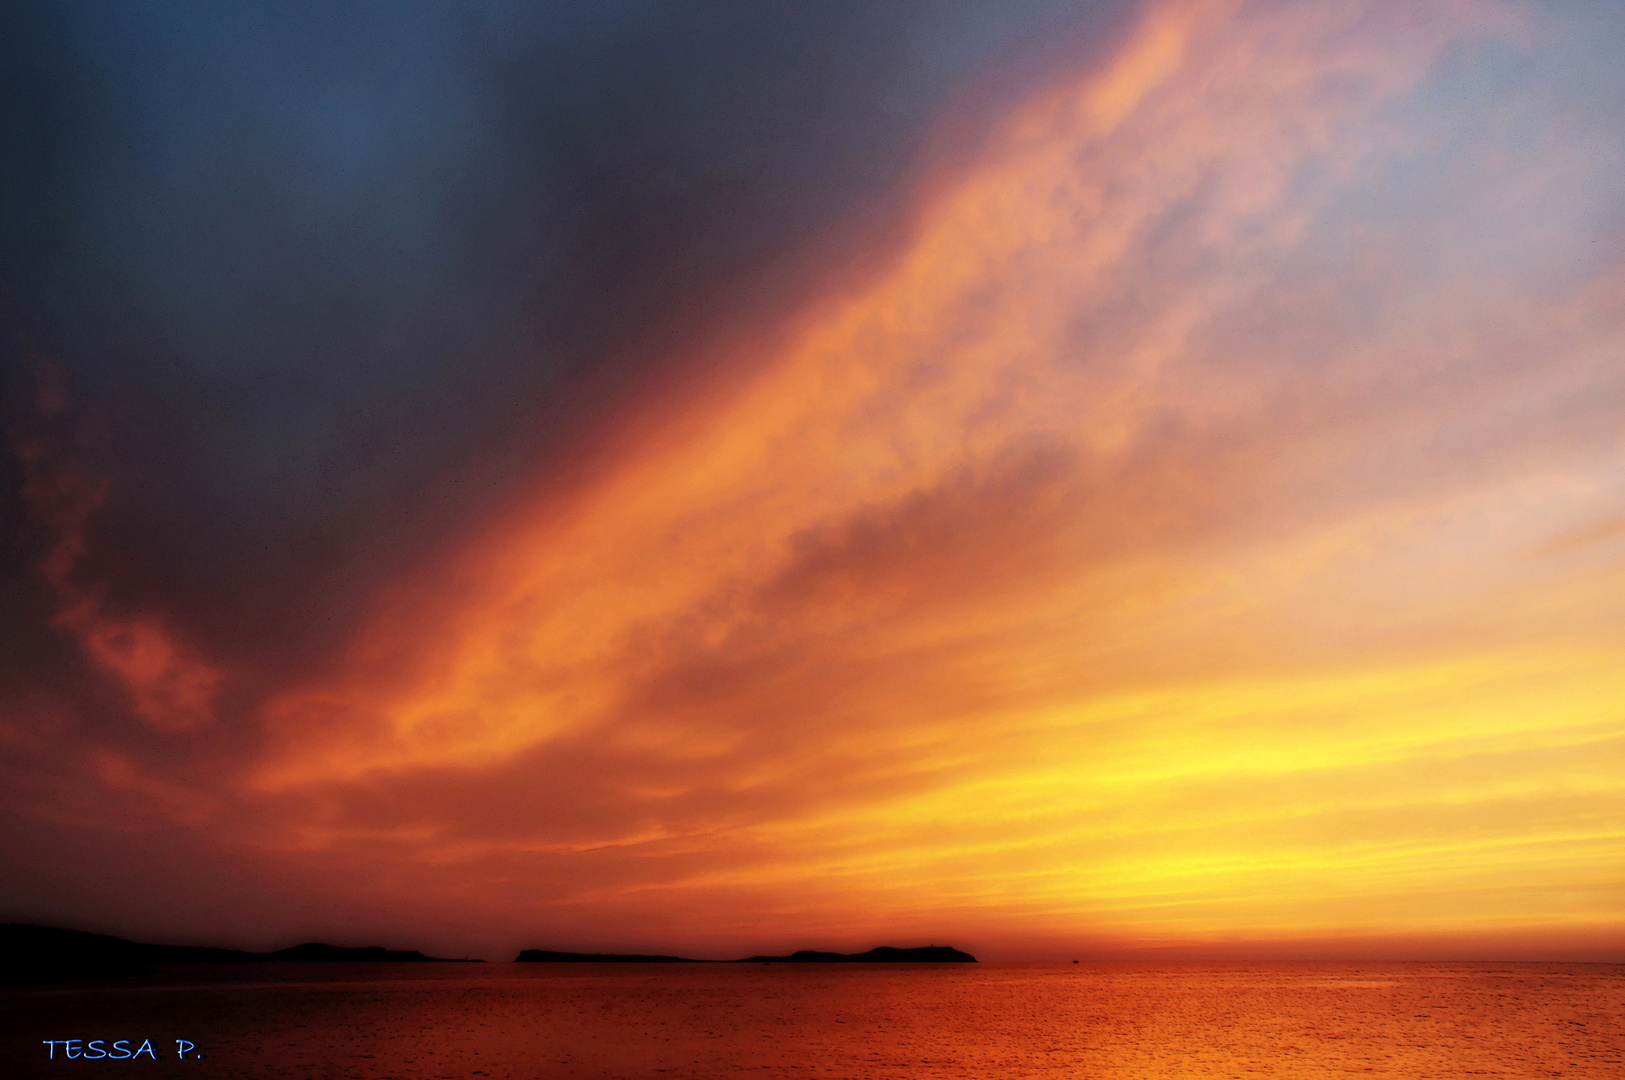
(986, 1021)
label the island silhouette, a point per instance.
(884, 954)
(34, 953)
(30, 952)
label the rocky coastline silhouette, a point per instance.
(884, 954)
(31, 953)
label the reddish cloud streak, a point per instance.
(166, 685)
(1198, 535)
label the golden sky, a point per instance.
(1206, 528)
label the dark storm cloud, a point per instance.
(324, 281)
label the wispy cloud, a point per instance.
(1202, 528)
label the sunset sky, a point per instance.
(1055, 479)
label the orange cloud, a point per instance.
(166, 683)
(1144, 554)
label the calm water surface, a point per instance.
(982, 1021)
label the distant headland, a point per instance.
(885, 954)
(44, 952)
(32, 953)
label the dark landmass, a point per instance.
(371, 954)
(38, 953)
(885, 954)
(546, 956)
(31, 953)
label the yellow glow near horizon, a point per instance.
(1166, 546)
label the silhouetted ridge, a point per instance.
(885, 954)
(45, 952)
(371, 954)
(547, 956)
